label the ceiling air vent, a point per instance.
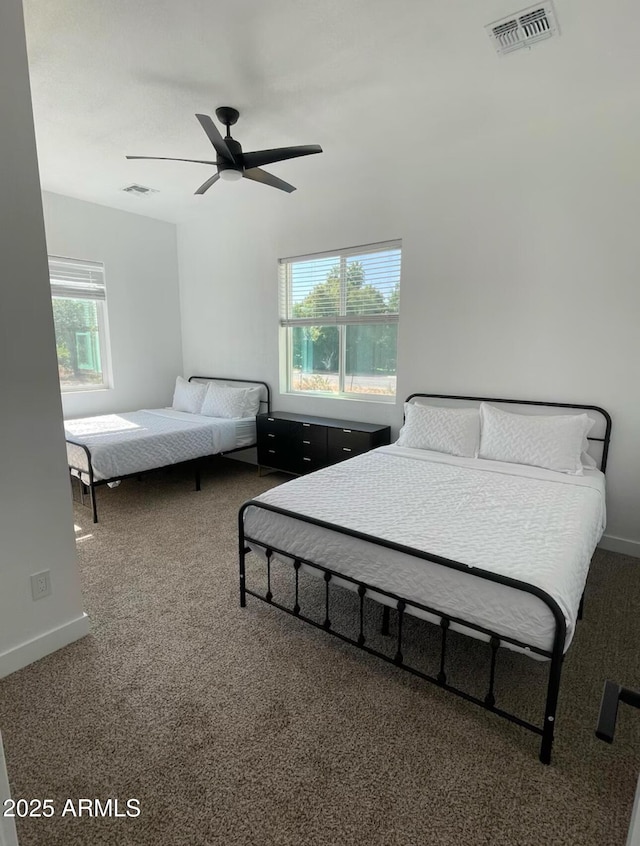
(524, 28)
(139, 190)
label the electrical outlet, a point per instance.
(41, 584)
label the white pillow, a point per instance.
(554, 442)
(188, 396)
(252, 399)
(452, 430)
(222, 401)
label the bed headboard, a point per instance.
(598, 438)
(265, 395)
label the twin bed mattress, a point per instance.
(122, 444)
(536, 526)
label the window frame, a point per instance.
(342, 320)
(95, 291)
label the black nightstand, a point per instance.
(299, 443)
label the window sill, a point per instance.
(77, 389)
(384, 399)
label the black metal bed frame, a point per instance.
(404, 605)
(89, 489)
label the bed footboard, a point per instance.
(404, 605)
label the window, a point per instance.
(339, 322)
(79, 314)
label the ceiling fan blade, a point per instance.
(268, 179)
(216, 139)
(263, 157)
(167, 159)
(206, 185)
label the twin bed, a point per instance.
(105, 449)
(495, 547)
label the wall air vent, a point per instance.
(140, 190)
(524, 28)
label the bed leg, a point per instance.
(243, 592)
(242, 551)
(94, 507)
(581, 608)
(553, 689)
(385, 620)
(198, 477)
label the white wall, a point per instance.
(519, 274)
(36, 526)
(141, 274)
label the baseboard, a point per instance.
(32, 650)
(622, 545)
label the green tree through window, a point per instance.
(79, 302)
(342, 322)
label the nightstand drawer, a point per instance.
(317, 451)
(274, 440)
(312, 459)
(278, 457)
(343, 443)
(270, 428)
(310, 434)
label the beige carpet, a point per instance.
(245, 726)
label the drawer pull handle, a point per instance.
(306, 442)
(346, 449)
(270, 419)
(272, 451)
(270, 435)
(347, 431)
(304, 458)
(306, 425)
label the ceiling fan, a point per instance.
(232, 163)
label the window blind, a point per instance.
(76, 279)
(356, 285)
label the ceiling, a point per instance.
(377, 84)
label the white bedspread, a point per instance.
(533, 525)
(141, 440)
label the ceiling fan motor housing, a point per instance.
(235, 149)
